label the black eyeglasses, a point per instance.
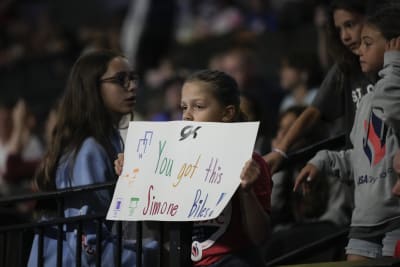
(123, 79)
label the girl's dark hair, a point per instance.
(386, 20)
(345, 58)
(81, 114)
(223, 86)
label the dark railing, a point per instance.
(334, 242)
(180, 255)
(304, 154)
(16, 234)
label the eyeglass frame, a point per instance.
(132, 75)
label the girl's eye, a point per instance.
(349, 24)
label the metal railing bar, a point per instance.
(307, 152)
(52, 222)
(56, 193)
(40, 248)
(330, 239)
(161, 248)
(98, 241)
(119, 243)
(20, 247)
(139, 243)
(60, 213)
(78, 261)
(3, 245)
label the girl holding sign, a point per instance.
(101, 89)
(229, 239)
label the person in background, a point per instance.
(19, 145)
(343, 86)
(240, 63)
(101, 89)
(299, 78)
(171, 90)
(300, 219)
(375, 222)
(233, 238)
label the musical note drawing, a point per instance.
(144, 143)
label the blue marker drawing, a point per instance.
(144, 143)
(118, 205)
(220, 198)
(219, 201)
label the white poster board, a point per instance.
(180, 170)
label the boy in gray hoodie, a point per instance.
(375, 225)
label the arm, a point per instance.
(326, 105)
(387, 90)
(91, 166)
(336, 163)
(300, 127)
(256, 221)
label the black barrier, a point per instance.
(16, 230)
(28, 225)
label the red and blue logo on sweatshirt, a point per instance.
(375, 142)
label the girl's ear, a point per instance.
(229, 113)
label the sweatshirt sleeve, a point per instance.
(387, 90)
(336, 163)
(93, 166)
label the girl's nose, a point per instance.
(345, 36)
(133, 85)
(187, 116)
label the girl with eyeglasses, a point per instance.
(101, 89)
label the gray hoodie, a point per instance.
(375, 142)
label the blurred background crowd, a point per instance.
(275, 50)
(271, 47)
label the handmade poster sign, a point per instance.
(180, 170)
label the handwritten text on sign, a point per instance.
(180, 170)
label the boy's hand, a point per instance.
(118, 163)
(393, 44)
(307, 174)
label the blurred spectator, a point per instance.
(249, 106)
(293, 13)
(259, 17)
(320, 24)
(19, 145)
(299, 77)
(241, 65)
(171, 91)
(147, 32)
(299, 218)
